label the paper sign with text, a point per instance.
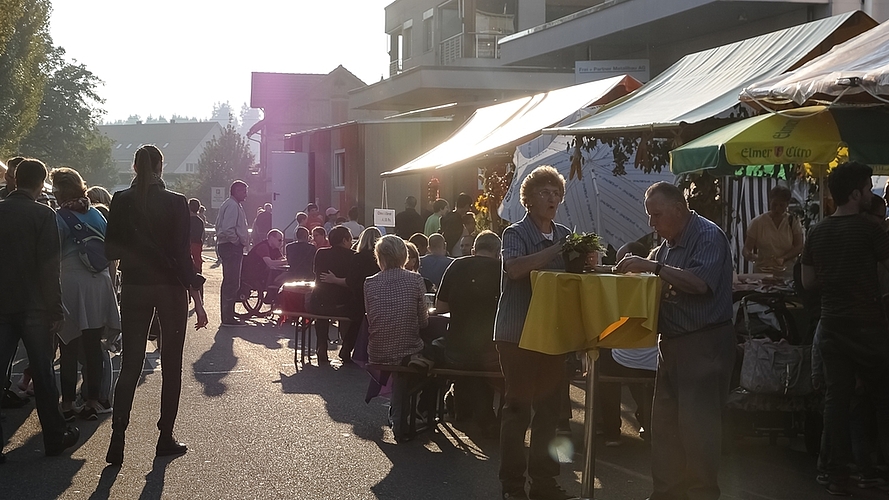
(384, 217)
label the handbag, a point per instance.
(780, 368)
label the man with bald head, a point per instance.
(696, 345)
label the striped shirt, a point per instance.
(521, 239)
(845, 251)
(703, 250)
(396, 310)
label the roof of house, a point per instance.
(268, 88)
(175, 140)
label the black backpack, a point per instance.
(90, 242)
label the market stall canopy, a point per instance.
(499, 128)
(855, 71)
(812, 134)
(707, 83)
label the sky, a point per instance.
(170, 57)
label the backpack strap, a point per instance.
(79, 230)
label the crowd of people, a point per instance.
(63, 292)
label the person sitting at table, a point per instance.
(696, 345)
(413, 265)
(434, 263)
(639, 363)
(396, 310)
(331, 296)
(364, 264)
(319, 238)
(775, 238)
(264, 257)
(470, 290)
(533, 380)
(300, 256)
(421, 242)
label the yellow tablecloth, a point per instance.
(575, 312)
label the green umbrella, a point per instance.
(813, 135)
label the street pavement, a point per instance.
(258, 428)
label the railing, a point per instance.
(394, 68)
(451, 49)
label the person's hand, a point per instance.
(201, 315)
(634, 264)
(328, 277)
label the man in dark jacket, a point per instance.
(31, 296)
(409, 222)
(452, 222)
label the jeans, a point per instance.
(91, 340)
(849, 349)
(691, 387)
(138, 304)
(231, 256)
(33, 329)
(533, 382)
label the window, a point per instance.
(339, 169)
(428, 39)
(406, 43)
(191, 167)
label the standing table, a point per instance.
(582, 312)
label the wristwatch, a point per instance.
(657, 269)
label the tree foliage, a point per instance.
(66, 132)
(24, 45)
(224, 159)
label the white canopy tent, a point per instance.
(494, 130)
(854, 71)
(707, 84)
(606, 204)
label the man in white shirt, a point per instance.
(352, 224)
(231, 238)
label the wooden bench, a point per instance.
(446, 375)
(302, 341)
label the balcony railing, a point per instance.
(485, 47)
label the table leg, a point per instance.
(296, 346)
(588, 484)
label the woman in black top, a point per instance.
(148, 231)
(364, 264)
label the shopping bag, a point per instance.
(777, 368)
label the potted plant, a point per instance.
(577, 249)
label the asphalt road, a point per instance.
(257, 428)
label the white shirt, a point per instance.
(231, 223)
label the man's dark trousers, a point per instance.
(691, 387)
(231, 255)
(533, 382)
(849, 350)
(34, 331)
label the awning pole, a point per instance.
(384, 202)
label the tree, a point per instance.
(224, 114)
(66, 132)
(24, 44)
(223, 160)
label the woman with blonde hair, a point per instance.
(87, 293)
(149, 233)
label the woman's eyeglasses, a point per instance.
(547, 194)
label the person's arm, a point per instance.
(749, 246)
(48, 255)
(797, 246)
(809, 279)
(226, 230)
(444, 291)
(422, 311)
(521, 267)
(272, 263)
(199, 311)
(681, 279)
(333, 279)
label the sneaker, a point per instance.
(103, 407)
(12, 400)
(69, 439)
(823, 479)
(69, 415)
(89, 413)
(865, 481)
(838, 489)
(552, 492)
